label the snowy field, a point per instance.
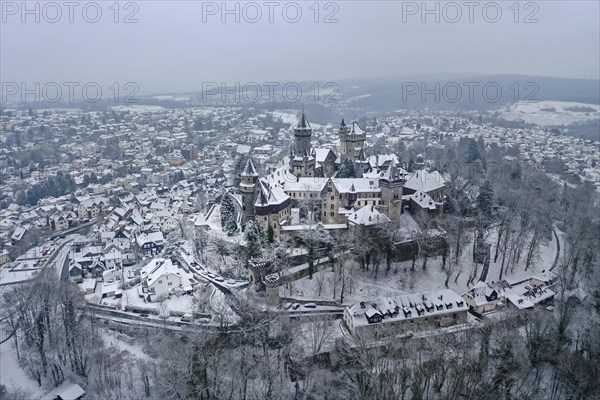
(291, 117)
(551, 113)
(287, 116)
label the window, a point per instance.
(332, 197)
(331, 206)
(170, 283)
(159, 282)
(332, 213)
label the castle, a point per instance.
(306, 189)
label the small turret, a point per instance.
(272, 287)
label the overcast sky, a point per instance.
(171, 49)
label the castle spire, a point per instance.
(249, 169)
(303, 122)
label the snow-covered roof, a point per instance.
(383, 159)
(156, 268)
(65, 391)
(356, 185)
(270, 196)
(306, 184)
(321, 154)
(407, 307)
(425, 181)
(423, 200)
(481, 291)
(525, 296)
(152, 237)
(367, 215)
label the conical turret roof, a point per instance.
(249, 169)
(303, 122)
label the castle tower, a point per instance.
(343, 139)
(355, 141)
(352, 140)
(248, 189)
(258, 269)
(391, 183)
(302, 135)
(302, 163)
(272, 288)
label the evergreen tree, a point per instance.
(255, 239)
(347, 169)
(240, 163)
(515, 174)
(231, 226)
(485, 201)
(411, 164)
(473, 153)
(228, 215)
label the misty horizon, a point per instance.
(171, 49)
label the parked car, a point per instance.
(295, 306)
(310, 305)
(219, 279)
(187, 318)
(287, 306)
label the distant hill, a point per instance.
(385, 95)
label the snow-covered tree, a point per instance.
(228, 215)
(255, 238)
(485, 201)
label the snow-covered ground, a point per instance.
(291, 116)
(122, 342)
(287, 116)
(401, 279)
(8, 277)
(551, 113)
(214, 222)
(222, 310)
(11, 373)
